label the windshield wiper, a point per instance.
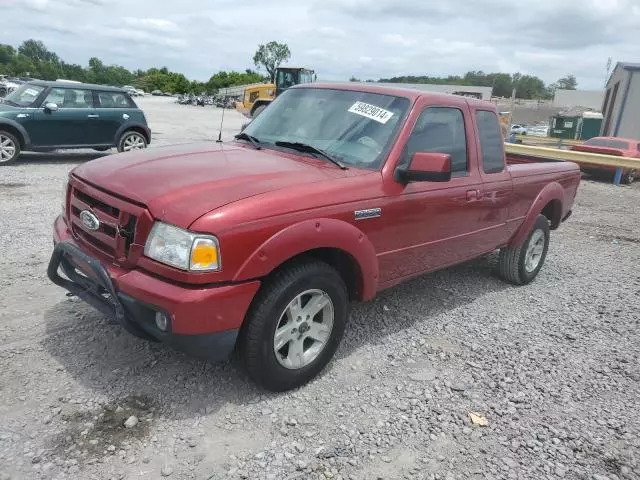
(305, 147)
(245, 136)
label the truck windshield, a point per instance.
(24, 95)
(356, 128)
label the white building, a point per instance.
(621, 106)
(571, 99)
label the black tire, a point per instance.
(628, 177)
(256, 343)
(128, 135)
(512, 262)
(11, 143)
(258, 111)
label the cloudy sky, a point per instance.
(338, 38)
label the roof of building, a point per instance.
(628, 65)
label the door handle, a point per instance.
(93, 116)
(473, 195)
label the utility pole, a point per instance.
(513, 106)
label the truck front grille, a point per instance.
(116, 232)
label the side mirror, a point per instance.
(50, 107)
(426, 167)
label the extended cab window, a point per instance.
(113, 100)
(440, 130)
(70, 98)
(491, 142)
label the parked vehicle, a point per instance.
(8, 85)
(620, 147)
(257, 97)
(44, 116)
(538, 131)
(334, 193)
(157, 93)
(519, 129)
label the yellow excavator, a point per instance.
(257, 97)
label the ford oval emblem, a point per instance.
(89, 220)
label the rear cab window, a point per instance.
(114, 100)
(491, 142)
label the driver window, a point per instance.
(70, 98)
(441, 130)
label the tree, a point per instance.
(567, 83)
(270, 56)
(36, 51)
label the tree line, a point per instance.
(33, 59)
(527, 86)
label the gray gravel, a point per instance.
(553, 367)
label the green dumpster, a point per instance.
(562, 126)
(590, 125)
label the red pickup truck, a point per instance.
(332, 194)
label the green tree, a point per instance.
(567, 83)
(270, 56)
(7, 52)
(36, 51)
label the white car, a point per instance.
(518, 129)
(539, 131)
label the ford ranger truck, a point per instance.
(334, 193)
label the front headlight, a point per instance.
(182, 249)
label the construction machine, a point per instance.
(257, 97)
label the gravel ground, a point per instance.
(553, 368)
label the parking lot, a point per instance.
(553, 367)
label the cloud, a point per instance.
(151, 23)
(339, 38)
(397, 39)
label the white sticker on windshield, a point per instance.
(32, 92)
(371, 111)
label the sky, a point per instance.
(369, 39)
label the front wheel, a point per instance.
(9, 148)
(295, 325)
(520, 265)
(132, 140)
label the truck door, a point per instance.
(497, 187)
(429, 225)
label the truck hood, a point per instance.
(179, 184)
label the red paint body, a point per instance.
(266, 207)
(633, 151)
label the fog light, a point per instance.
(162, 321)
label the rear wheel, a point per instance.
(132, 140)
(9, 148)
(628, 177)
(521, 264)
(295, 325)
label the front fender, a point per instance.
(552, 191)
(309, 235)
(25, 136)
